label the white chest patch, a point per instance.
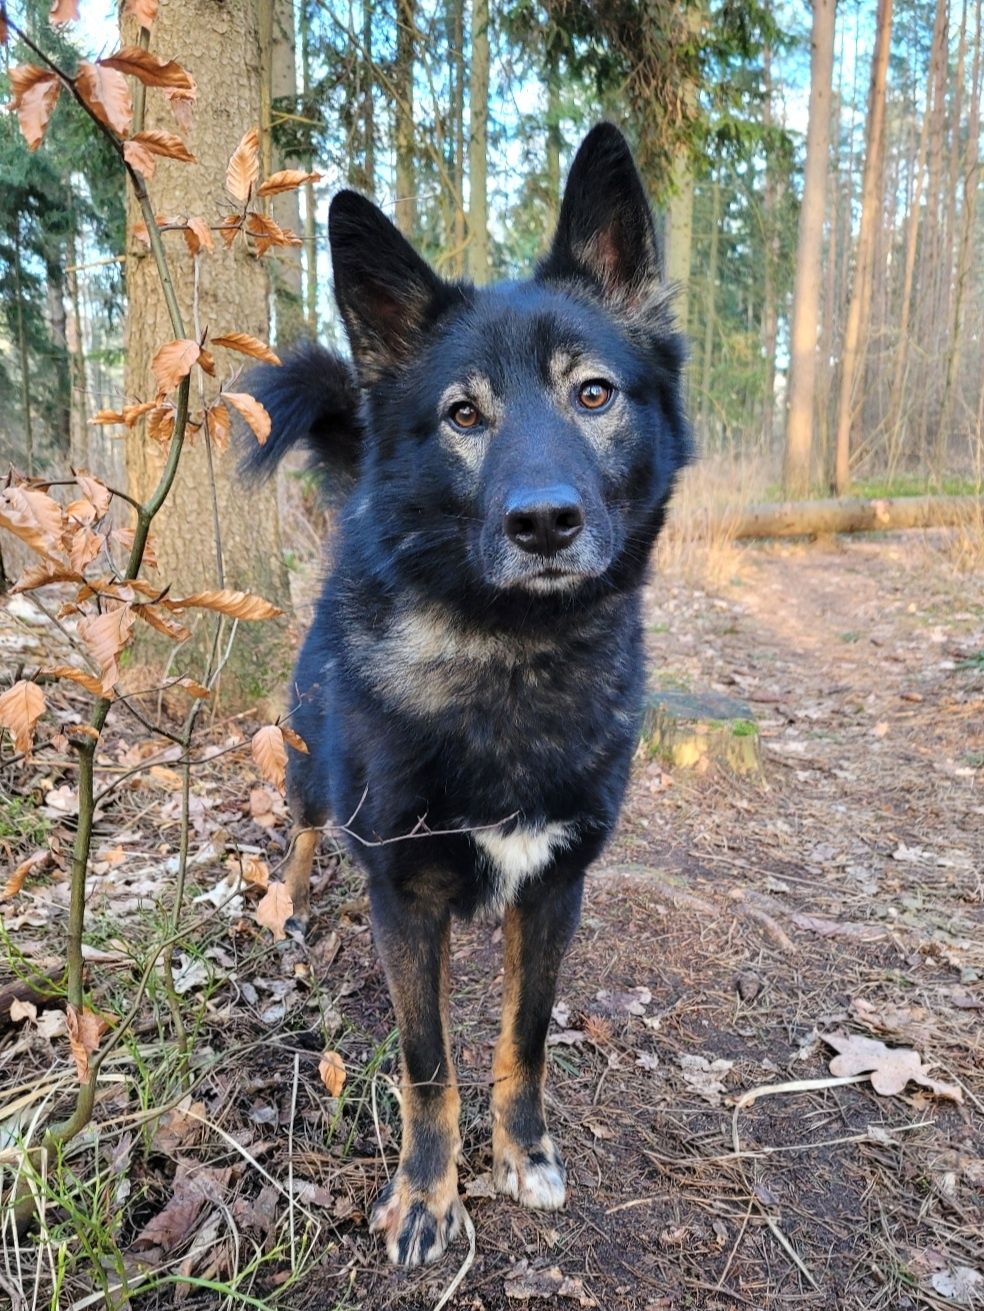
(520, 855)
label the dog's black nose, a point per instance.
(543, 522)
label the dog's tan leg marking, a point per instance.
(525, 1162)
(419, 1211)
(304, 844)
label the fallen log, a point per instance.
(812, 518)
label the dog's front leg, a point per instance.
(536, 933)
(419, 1211)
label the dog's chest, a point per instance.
(519, 855)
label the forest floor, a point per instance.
(732, 927)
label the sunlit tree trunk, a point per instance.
(806, 294)
(870, 207)
(478, 126)
(219, 45)
(405, 207)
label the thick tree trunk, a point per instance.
(456, 25)
(680, 236)
(286, 262)
(219, 44)
(806, 295)
(851, 360)
(405, 208)
(478, 208)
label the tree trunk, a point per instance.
(554, 143)
(219, 45)
(680, 235)
(368, 104)
(806, 294)
(279, 65)
(25, 364)
(60, 362)
(478, 123)
(770, 310)
(870, 205)
(80, 432)
(310, 204)
(405, 208)
(457, 35)
(710, 295)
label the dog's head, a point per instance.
(527, 433)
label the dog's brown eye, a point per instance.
(464, 415)
(595, 395)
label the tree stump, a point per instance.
(693, 730)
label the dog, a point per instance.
(471, 686)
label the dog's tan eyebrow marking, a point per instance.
(475, 389)
(566, 364)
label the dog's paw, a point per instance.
(417, 1225)
(535, 1177)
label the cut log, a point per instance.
(694, 730)
(810, 518)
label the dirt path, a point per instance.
(732, 925)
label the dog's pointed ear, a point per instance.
(605, 232)
(387, 295)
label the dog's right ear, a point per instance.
(387, 295)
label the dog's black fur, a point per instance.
(474, 673)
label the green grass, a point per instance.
(22, 821)
(744, 728)
(868, 489)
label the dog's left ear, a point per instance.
(605, 233)
(387, 295)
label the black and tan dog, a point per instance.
(474, 673)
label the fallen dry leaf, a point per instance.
(705, 1076)
(274, 909)
(34, 864)
(21, 706)
(331, 1067)
(194, 1186)
(890, 1068)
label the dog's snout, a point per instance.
(545, 521)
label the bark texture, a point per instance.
(478, 209)
(806, 293)
(218, 43)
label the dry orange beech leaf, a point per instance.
(139, 158)
(294, 739)
(890, 1068)
(85, 1028)
(40, 575)
(144, 11)
(270, 754)
(288, 179)
(252, 411)
(162, 622)
(160, 422)
(331, 1067)
(244, 166)
(163, 143)
(219, 426)
(21, 707)
(88, 681)
(237, 605)
(106, 635)
(37, 862)
(64, 11)
(152, 71)
(230, 227)
(197, 690)
(33, 516)
(256, 872)
(84, 546)
(274, 909)
(107, 93)
(173, 362)
(182, 103)
(34, 94)
(198, 235)
(247, 345)
(108, 416)
(97, 492)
